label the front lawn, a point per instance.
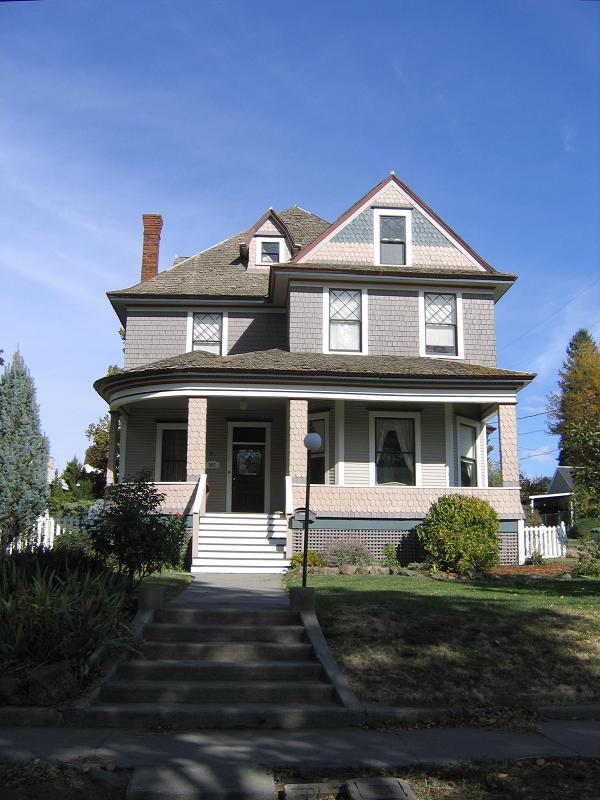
(173, 581)
(417, 641)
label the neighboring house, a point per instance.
(557, 504)
(377, 331)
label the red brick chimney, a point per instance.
(152, 227)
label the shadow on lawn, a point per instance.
(491, 647)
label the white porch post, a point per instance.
(340, 410)
(111, 466)
(122, 446)
(509, 450)
(196, 437)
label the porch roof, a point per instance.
(316, 366)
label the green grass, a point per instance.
(173, 581)
(417, 641)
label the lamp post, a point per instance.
(312, 441)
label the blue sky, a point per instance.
(209, 113)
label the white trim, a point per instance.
(479, 432)
(258, 248)
(323, 415)
(416, 418)
(339, 419)
(160, 427)
(304, 392)
(364, 321)
(190, 328)
(450, 457)
(122, 445)
(460, 345)
(392, 212)
(248, 424)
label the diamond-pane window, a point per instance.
(345, 320)
(208, 332)
(440, 324)
(269, 252)
(392, 240)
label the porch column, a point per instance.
(298, 428)
(111, 465)
(196, 437)
(509, 450)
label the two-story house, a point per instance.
(377, 331)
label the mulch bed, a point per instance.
(543, 570)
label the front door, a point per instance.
(249, 467)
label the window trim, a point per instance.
(481, 463)
(392, 212)
(323, 415)
(160, 428)
(364, 321)
(415, 416)
(189, 338)
(258, 240)
(460, 349)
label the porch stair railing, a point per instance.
(197, 510)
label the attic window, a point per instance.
(269, 252)
(393, 239)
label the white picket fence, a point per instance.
(48, 529)
(548, 540)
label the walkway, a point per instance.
(301, 749)
(234, 591)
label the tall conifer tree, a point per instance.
(578, 398)
(23, 454)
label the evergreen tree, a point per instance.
(74, 491)
(23, 454)
(578, 398)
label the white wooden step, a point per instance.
(243, 541)
(209, 547)
(242, 558)
(235, 570)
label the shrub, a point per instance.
(588, 562)
(532, 517)
(346, 551)
(55, 608)
(75, 541)
(460, 533)
(583, 527)
(129, 532)
(313, 559)
(390, 556)
(536, 559)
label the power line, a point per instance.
(539, 414)
(541, 453)
(538, 430)
(558, 310)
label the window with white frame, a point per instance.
(393, 237)
(207, 332)
(441, 334)
(269, 251)
(467, 448)
(395, 451)
(345, 320)
(171, 452)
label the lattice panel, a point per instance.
(509, 548)
(408, 547)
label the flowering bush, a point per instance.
(346, 551)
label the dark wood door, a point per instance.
(248, 478)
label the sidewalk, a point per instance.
(301, 749)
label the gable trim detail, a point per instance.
(427, 212)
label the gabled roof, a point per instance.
(562, 481)
(419, 203)
(317, 366)
(219, 271)
(274, 217)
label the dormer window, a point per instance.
(393, 240)
(269, 253)
(269, 250)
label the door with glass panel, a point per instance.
(395, 454)
(318, 458)
(248, 470)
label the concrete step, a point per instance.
(228, 651)
(278, 561)
(169, 632)
(175, 670)
(226, 569)
(128, 691)
(226, 616)
(196, 715)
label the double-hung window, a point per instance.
(171, 452)
(467, 448)
(395, 451)
(207, 332)
(441, 336)
(269, 252)
(392, 240)
(345, 320)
